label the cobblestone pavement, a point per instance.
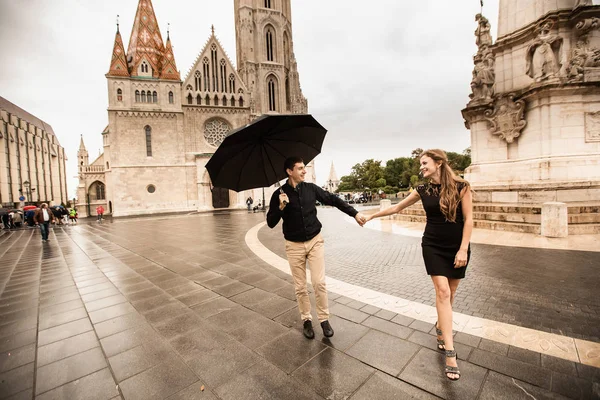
(180, 308)
(548, 290)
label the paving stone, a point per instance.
(558, 365)
(333, 374)
(467, 339)
(388, 327)
(69, 369)
(184, 288)
(524, 355)
(289, 292)
(502, 387)
(232, 289)
(232, 319)
(16, 380)
(382, 386)
(357, 305)
(196, 391)
(426, 371)
(369, 309)
(18, 326)
(493, 347)
(17, 340)
(348, 313)
(384, 352)
(343, 300)
(17, 357)
(290, 351)
(118, 324)
(128, 339)
(178, 325)
(253, 297)
(159, 381)
(111, 312)
(385, 314)
(404, 320)
(197, 297)
(274, 307)
(421, 326)
(64, 331)
(270, 283)
(588, 372)
(66, 348)
(258, 332)
(214, 306)
(96, 386)
(133, 361)
(526, 372)
(264, 381)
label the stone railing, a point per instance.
(93, 168)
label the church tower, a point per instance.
(83, 158)
(265, 56)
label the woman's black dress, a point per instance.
(441, 239)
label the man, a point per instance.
(43, 217)
(249, 202)
(295, 203)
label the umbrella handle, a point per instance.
(282, 192)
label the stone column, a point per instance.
(555, 222)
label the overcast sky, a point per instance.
(384, 77)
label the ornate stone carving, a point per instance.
(580, 3)
(215, 131)
(584, 54)
(506, 119)
(484, 76)
(544, 55)
(592, 127)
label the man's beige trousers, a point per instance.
(313, 251)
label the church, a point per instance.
(163, 129)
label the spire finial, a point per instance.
(117, 23)
(212, 28)
(168, 29)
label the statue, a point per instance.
(583, 55)
(482, 33)
(543, 55)
(484, 77)
(579, 3)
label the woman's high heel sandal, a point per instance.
(440, 342)
(449, 369)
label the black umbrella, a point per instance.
(252, 156)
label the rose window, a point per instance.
(215, 131)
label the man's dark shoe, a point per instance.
(308, 329)
(327, 329)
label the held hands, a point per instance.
(461, 259)
(283, 200)
(361, 219)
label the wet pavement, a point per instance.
(181, 308)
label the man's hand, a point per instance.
(360, 219)
(283, 201)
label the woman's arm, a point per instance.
(412, 198)
(467, 208)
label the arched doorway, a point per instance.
(220, 197)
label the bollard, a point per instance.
(555, 222)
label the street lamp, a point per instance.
(26, 185)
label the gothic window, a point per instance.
(232, 101)
(119, 95)
(97, 191)
(224, 101)
(231, 83)
(215, 131)
(206, 71)
(270, 45)
(223, 75)
(154, 97)
(214, 65)
(286, 50)
(189, 87)
(272, 92)
(144, 67)
(216, 100)
(190, 99)
(288, 99)
(148, 141)
(267, 3)
(207, 100)
(198, 100)
(241, 102)
(198, 80)
(143, 96)
(137, 96)
(170, 97)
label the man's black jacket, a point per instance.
(300, 221)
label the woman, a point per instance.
(448, 204)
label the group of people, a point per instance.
(250, 201)
(447, 201)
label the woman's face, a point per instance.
(428, 167)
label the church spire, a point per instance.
(332, 174)
(81, 144)
(145, 43)
(118, 63)
(169, 69)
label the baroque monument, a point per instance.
(534, 110)
(163, 129)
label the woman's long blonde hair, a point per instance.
(449, 194)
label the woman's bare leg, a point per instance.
(443, 295)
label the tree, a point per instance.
(416, 152)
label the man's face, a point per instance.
(298, 173)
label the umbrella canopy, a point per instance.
(29, 208)
(253, 156)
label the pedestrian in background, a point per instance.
(448, 203)
(43, 217)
